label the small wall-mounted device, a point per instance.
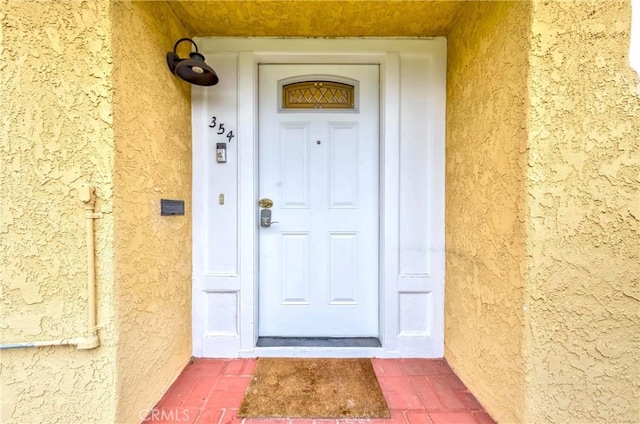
(221, 152)
(171, 207)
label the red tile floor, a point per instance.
(417, 391)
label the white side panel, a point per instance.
(221, 220)
(221, 314)
(216, 281)
(421, 227)
(415, 314)
(415, 173)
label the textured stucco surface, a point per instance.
(152, 138)
(485, 203)
(304, 18)
(542, 143)
(542, 197)
(56, 131)
(583, 237)
(75, 108)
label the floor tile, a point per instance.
(420, 367)
(388, 368)
(198, 396)
(230, 416)
(210, 416)
(469, 401)
(404, 401)
(448, 397)
(203, 367)
(454, 382)
(414, 417)
(233, 383)
(234, 367)
(249, 367)
(346, 421)
(395, 384)
(452, 418)
(443, 367)
(483, 418)
(428, 397)
(179, 391)
(225, 399)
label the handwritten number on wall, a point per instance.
(221, 129)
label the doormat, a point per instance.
(313, 388)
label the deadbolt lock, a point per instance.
(265, 203)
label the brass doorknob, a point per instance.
(265, 203)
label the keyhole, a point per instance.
(318, 142)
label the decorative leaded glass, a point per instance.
(318, 95)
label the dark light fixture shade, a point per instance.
(193, 70)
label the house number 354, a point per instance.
(221, 129)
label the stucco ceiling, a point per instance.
(317, 18)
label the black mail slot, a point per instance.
(171, 207)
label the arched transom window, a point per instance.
(318, 94)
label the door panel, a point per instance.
(293, 164)
(343, 165)
(319, 259)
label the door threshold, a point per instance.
(349, 342)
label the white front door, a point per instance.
(318, 261)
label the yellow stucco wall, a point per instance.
(79, 104)
(152, 138)
(323, 18)
(548, 334)
(55, 132)
(583, 237)
(485, 203)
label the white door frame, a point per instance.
(403, 63)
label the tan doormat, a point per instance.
(314, 388)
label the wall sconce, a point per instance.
(193, 70)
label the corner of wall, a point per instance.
(152, 138)
(486, 155)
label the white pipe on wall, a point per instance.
(76, 341)
(88, 197)
(91, 339)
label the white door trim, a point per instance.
(399, 283)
